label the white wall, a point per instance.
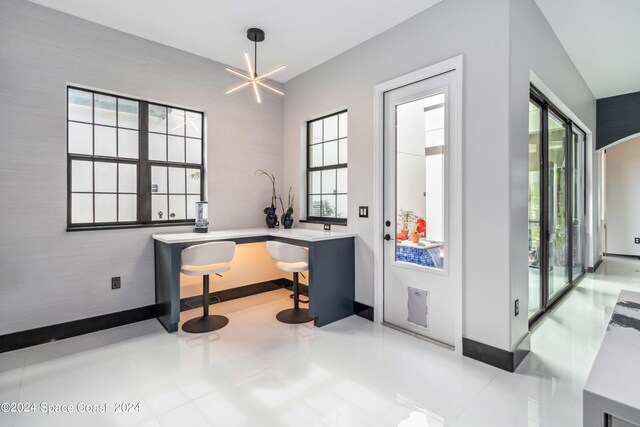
(479, 31)
(48, 275)
(534, 50)
(623, 197)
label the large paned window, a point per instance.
(131, 162)
(327, 169)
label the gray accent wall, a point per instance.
(49, 275)
(618, 118)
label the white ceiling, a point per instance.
(602, 37)
(300, 34)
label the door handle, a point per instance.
(387, 237)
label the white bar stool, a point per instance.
(293, 259)
(203, 260)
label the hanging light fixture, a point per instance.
(256, 35)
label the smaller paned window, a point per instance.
(327, 168)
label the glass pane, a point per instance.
(80, 105)
(434, 138)
(159, 207)
(81, 176)
(157, 147)
(127, 113)
(158, 179)
(558, 241)
(105, 110)
(315, 155)
(420, 184)
(80, 138)
(194, 151)
(106, 207)
(316, 132)
(191, 206)
(328, 206)
(176, 149)
(177, 207)
(176, 122)
(106, 177)
(341, 186)
(342, 125)
(314, 182)
(157, 119)
(193, 181)
(105, 141)
(194, 125)
(535, 218)
(127, 178)
(314, 206)
(342, 151)
(177, 182)
(577, 188)
(128, 143)
(341, 208)
(81, 208)
(329, 181)
(127, 207)
(330, 153)
(330, 128)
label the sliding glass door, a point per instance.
(556, 204)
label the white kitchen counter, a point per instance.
(613, 386)
(302, 234)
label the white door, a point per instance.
(422, 251)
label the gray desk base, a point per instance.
(331, 278)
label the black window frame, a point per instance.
(309, 169)
(143, 190)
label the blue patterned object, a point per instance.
(426, 257)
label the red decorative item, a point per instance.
(401, 236)
(421, 226)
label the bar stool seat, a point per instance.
(292, 259)
(203, 260)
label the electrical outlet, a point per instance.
(327, 227)
(115, 282)
(517, 307)
(637, 240)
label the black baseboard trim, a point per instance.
(230, 294)
(503, 359)
(595, 267)
(60, 331)
(618, 255)
(363, 310)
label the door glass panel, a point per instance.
(557, 194)
(535, 145)
(577, 197)
(420, 182)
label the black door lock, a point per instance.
(387, 237)
(387, 223)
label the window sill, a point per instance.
(128, 226)
(327, 221)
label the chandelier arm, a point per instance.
(240, 86)
(275, 70)
(255, 89)
(238, 73)
(270, 88)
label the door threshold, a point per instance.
(417, 335)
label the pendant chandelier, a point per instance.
(256, 35)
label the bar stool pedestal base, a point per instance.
(209, 323)
(294, 316)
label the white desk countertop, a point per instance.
(615, 374)
(303, 234)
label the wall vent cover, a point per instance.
(417, 306)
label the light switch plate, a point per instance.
(363, 211)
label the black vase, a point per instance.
(288, 221)
(271, 218)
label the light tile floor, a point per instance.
(259, 372)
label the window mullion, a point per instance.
(144, 168)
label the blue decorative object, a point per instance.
(426, 257)
(271, 218)
(288, 221)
